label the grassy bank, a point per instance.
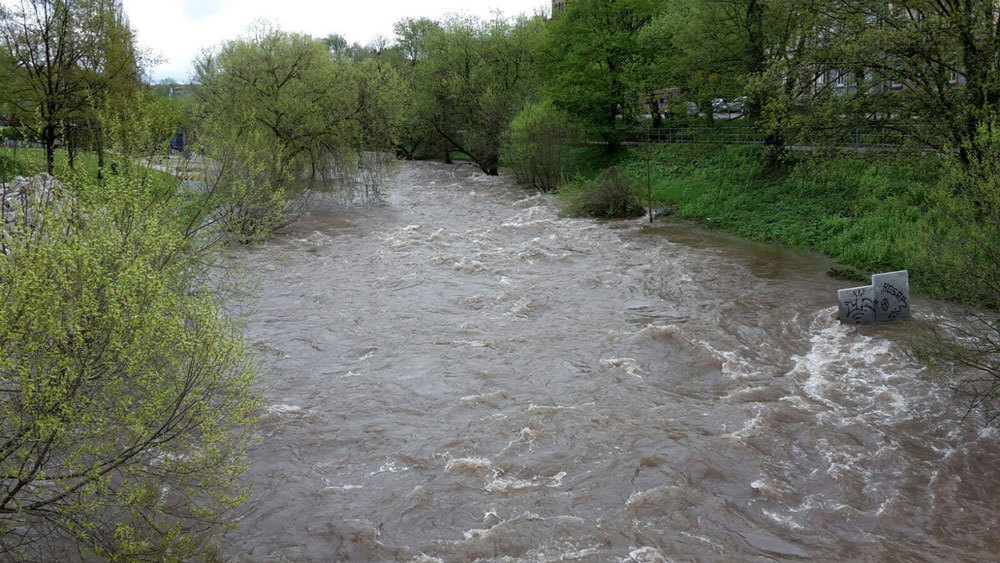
(31, 161)
(870, 212)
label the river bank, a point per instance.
(464, 374)
(873, 213)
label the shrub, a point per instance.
(964, 240)
(125, 394)
(535, 143)
(610, 195)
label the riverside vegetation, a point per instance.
(128, 397)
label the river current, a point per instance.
(461, 374)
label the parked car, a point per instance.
(737, 105)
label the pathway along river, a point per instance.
(462, 374)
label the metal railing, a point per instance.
(856, 137)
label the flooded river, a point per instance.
(462, 374)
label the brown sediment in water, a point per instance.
(462, 374)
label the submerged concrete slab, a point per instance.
(857, 305)
(892, 296)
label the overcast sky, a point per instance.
(177, 30)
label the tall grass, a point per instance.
(872, 212)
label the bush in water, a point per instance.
(610, 195)
(535, 143)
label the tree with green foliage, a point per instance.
(418, 137)
(126, 396)
(300, 111)
(67, 60)
(43, 39)
(929, 69)
(534, 145)
(112, 67)
(585, 59)
(473, 78)
(965, 242)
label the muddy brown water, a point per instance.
(462, 374)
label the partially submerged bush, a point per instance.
(535, 143)
(611, 195)
(966, 241)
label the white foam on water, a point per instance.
(504, 484)
(527, 435)
(472, 400)
(749, 425)
(701, 539)
(424, 558)
(661, 332)
(291, 410)
(388, 467)
(734, 366)
(860, 367)
(550, 409)
(340, 488)
(470, 343)
(630, 365)
(646, 555)
(785, 520)
(579, 554)
(466, 265)
(475, 534)
(523, 309)
(500, 484)
(468, 465)
(530, 201)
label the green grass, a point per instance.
(31, 161)
(588, 162)
(870, 212)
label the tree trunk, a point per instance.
(99, 145)
(70, 148)
(49, 138)
(654, 109)
(755, 62)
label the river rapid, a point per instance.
(461, 374)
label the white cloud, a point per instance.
(178, 30)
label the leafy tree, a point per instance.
(418, 137)
(44, 41)
(300, 112)
(412, 35)
(534, 145)
(472, 81)
(112, 69)
(586, 56)
(69, 58)
(965, 240)
(930, 69)
(125, 394)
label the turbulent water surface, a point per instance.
(462, 374)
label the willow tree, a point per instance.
(298, 109)
(471, 79)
